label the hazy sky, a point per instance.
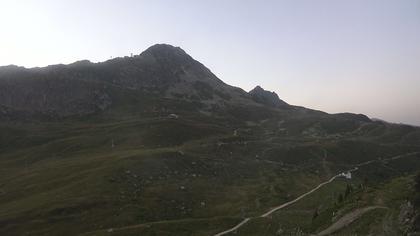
(360, 56)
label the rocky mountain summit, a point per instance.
(268, 98)
(84, 87)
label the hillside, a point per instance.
(156, 144)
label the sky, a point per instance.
(360, 56)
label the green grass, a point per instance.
(186, 176)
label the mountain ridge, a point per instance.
(83, 87)
(162, 71)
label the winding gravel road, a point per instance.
(282, 205)
(236, 227)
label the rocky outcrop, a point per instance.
(267, 98)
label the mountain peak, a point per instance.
(257, 89)
(164, 49)
(265, 97)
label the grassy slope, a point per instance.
(187, 176)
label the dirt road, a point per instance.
(311, 191)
